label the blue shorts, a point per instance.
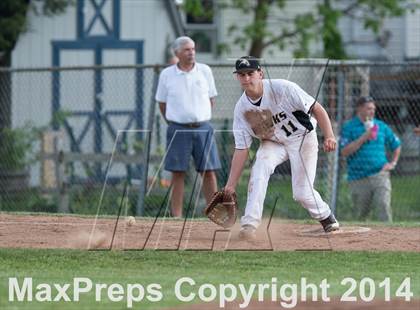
(183, 141)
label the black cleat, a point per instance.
(330, 224)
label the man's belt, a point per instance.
(188, 125)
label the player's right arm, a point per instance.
(355, 145)
(243, 141)
(239, 158)
(161, 95)
(162, 108)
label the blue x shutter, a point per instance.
(88, 39)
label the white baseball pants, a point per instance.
(303, 168)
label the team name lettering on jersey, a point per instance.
(289, 127)
(277, 118)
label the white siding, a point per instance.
(412, 35)
(31, 97)
(118, 90)
(146, 20)
(394, 50)
(33, 48)
(149, 20)
(363, 43)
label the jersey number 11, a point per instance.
(287, 130)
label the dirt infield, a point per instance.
(40, 231)
(334, 304)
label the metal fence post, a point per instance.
(5, 98)
(140, 208)
(340, 112)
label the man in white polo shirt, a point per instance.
(186, 93)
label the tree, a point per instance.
(13, 20)
(14, 144)
(12, 23)
(299, 31)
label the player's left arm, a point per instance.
(211, 84)
(393, 143)
(395, 156)
(324, 122)
(213, 101)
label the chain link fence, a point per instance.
(78, 135)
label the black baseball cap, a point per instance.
(247, 63)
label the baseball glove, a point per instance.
(222, 209)
(261, 122)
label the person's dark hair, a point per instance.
(364, 99)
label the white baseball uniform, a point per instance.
(290, 113)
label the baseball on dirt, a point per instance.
(130, 220)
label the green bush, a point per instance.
(29, 200)
(17, 147)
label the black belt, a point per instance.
(188, 125)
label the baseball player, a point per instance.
(280, 114)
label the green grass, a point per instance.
(165, 268)
(406, 196)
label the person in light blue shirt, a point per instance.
(365, 141)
